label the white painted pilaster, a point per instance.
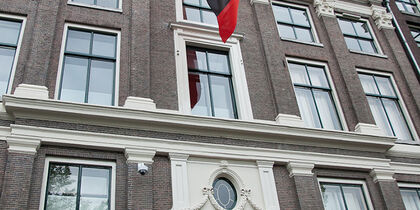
(290, 120)
(370, 129)
(31, 91)
(300, 169)
(139, 155)
(268, 185)
(324, 7)
(259, 2)
(383, 19)
(23, 144)
(382, 174)
(140, 103)
(179, 173)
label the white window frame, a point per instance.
(119, 9)
(311, 22)
(180, 17)
(191, 36)
(19, 44)
(63, 46)
(404, 109)
(348, 181)
(334, 95)
(380, 53)
(81, 162)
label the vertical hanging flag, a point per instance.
(227, 13)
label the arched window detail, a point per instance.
(225, 193)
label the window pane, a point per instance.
(218, 63)
(298, 74)
(192, 2)
(286, 31)
(354, 198)
(346, 27)
(107, 3)
(332, 198)
(205, 4)
(411, 8)
(327, 110)
(379, 115)
(78, 41)
(9, 32)
(192, 14)
(362, 29)
(368, 83)
(222, 97)
(385, 86)
(307, 107)
(84, 1)
(318, 77)
(104, 45)
(367, 46)
(224, 193)
(209, 17)
(352, 43)
(282, 14)
(397, 119)
(93, 203)
(73, 85)
(95, 182)
(411, 199)
(62, 187)
(101, 84)
(196, 59)
(299, 17)
(304, 34)
(199, 94)
(7, 56)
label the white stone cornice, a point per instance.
(259, 2)
(290, 120)
(382, 174)
(324, 7)
(405, 168)
(265, 164)
(140, 103)
(139, 155)
(178, 156)
(31, 91)
(369, 129)
(265, 169)
(300, 169)
(383, 19)
(179, 177)
(23, 144)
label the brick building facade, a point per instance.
(309, 105)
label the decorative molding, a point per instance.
(383, 19)
(405, 168)
(23, 144)
(382, 174)
(31, 91)
(290, 120)
(324, 7)
(300, 169)
(369, 129)
(252, 2)
(268, 185)
(139, 103)
(404, 150)
(179, 175)
(139, 155)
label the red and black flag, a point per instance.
(227, 13)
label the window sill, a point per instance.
(370, 54)
(199, 24)
(316, 44)
(94, 7)
(409, 13)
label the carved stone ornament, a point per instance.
(324, 7)
(382, 18)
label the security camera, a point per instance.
(142, 168)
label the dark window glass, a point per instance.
(198, 11)
(89, 68)
(384, 104)
(411, 198)
(416, 35)
(313, 94)
(407, 6)
(357, 35)
(224, 193)
(78, 187)
(293, 23)
(114, 4)
(210, 83)
(343, 197)
(9, 36)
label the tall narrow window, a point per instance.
(210, 82)
(407, 6)
(337, 196)
(9, 39)
(357, 35)
(416, 35)
(198, 11)
(89, 67)
(79, 187)
(293, 23)
(114, 4)
(313, 94)
(411, 198)
(384, 104)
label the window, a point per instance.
(344, 194)
(113, 4)
(314, 97)
(385, 105)
(210, 82)
(293, 22)
(224, 193)
(416, 35)
(78, 184)
(410, 194)
(198, 11)
(407, 6)
(10, 38)
(357, 35)
(89, 67)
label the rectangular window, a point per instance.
(385, 105)
(88, 73)
(293, 23)
(407, 6)
(10, 37)
(210, 83)
(198, 11)
(113, 4)
(339, 196)
(313, 94)
(410, 194)
(357, 35)
(416, 35)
